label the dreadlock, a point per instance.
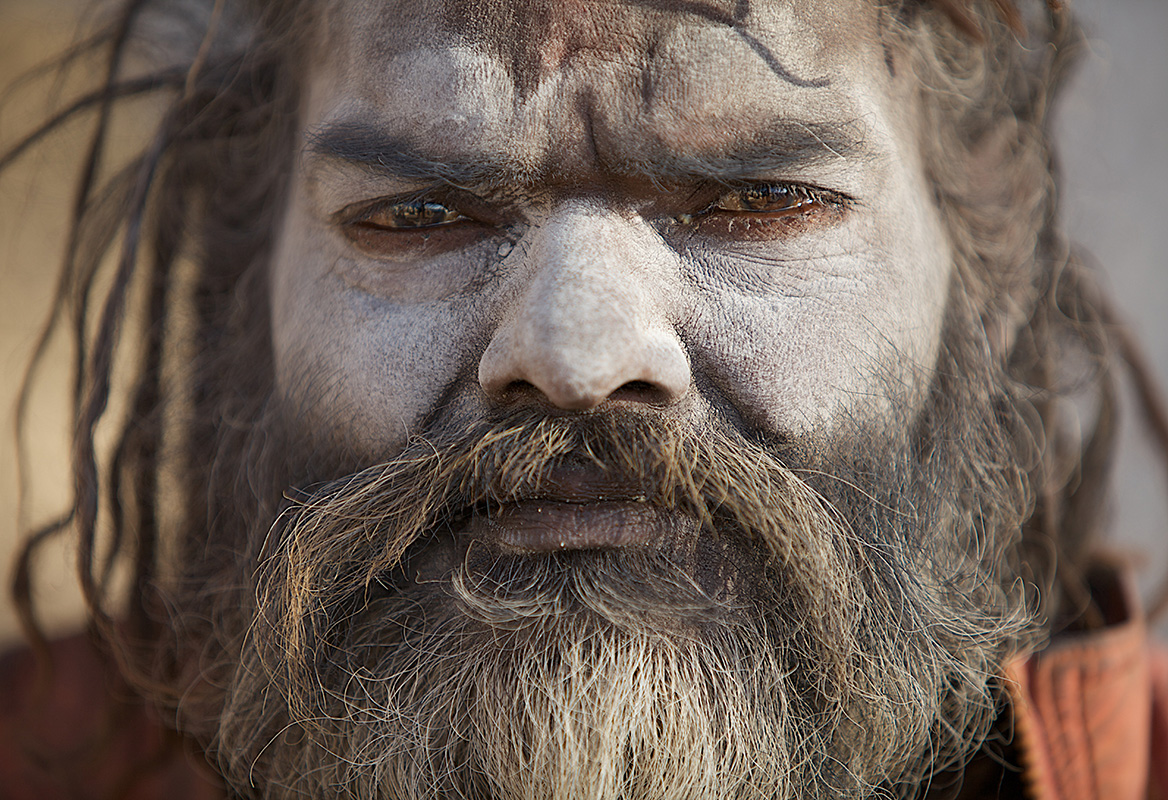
(165, 263)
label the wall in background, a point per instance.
(1113, 130)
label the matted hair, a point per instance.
(167, 255)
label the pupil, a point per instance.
(767, 198)
(420, 214)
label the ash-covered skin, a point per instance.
(637, 399)
(585, 147)
(706, 234)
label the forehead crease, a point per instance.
(531, 38)
(534, 37)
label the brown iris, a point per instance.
(767, 199)
(410, 216)
(766, 211)
(412, 229)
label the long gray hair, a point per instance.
(165, 281)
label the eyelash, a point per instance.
(426, 214)
(754, 211)
(756, 198)
(749, 199)
(765, 211)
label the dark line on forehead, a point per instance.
(764, 52)
(737, 23)
(741, 12)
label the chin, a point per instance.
(584, 674)
(677, 616)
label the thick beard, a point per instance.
(835, 629)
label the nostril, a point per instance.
(641, 392)
(519, 391)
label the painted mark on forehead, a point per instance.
(737, 22)
(535, 37)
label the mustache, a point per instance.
(328, 551)
(871, 645)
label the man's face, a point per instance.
(692, 208)
(624, 317)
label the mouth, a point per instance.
(548, 525)
(578, 509)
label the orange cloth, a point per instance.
(88, 737)
(1091, 712)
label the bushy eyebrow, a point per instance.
(784, 146)
(364, 144)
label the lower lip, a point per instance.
(554, 526)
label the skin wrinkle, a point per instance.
(845, 480)
(869, 141)
(754, 271)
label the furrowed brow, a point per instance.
(365, 145)
(784, 147)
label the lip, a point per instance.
(549, 526)
(577, 508)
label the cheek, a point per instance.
(799, 341)
(362, 371)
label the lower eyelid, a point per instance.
(759, 226)
(412, 244)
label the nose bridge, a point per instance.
(588, 279)
(592, 318)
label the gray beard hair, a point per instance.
(802, 647)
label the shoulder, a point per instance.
(77, 731)
(1091, 709)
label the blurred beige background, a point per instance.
(35, 199)
(1115, 158)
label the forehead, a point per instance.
(582, 80)
(534, 38)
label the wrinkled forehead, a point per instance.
(800, 43)
(556, 87)
(534, 37)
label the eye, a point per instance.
(410, 215)
(769, 198)
(412, 229)
(766, 211)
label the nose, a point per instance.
(592, 322)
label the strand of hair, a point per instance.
(959, 13)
